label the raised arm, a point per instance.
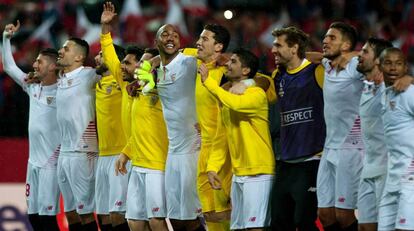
(108, 14)
(9, 64)
(107, 46)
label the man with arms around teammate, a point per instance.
(244, 121)
(298, 85)
(42, 192)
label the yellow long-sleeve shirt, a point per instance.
(207, 106)
(114, 66)
(245, 119)
(148, 145)
(108, 114)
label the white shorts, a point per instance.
(110, 190)
(76, 178)
(42, 191)
(181, 187)
(146, 194)
(396, 209)
(369, 196)
(250, 201)
(338, 178)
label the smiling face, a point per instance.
(366, 59)
(282, 52)
(128, 66)
(42, 66)
(393, 66)
(333, 44)
(234, 68)
(207, 47)
(168, 40)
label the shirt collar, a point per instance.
(172, 63)
(72, 74)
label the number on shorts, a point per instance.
(27, 190)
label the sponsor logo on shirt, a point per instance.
(81, 206)
(156, 209)
(49, 100)
(50, 207)
(281, 92)
(252, 219)
(402, 221)
(302, 115)
(341, 199)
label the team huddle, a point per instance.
(184, 134)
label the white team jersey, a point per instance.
(176, 88)
(341, 94)
(76, 110)
(398, 119)
(44, 136)
(375, 159)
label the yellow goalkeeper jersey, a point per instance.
(108, 115)
(148, 145)
(114, 66)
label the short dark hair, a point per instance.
(248, 59)
(392, 50)
(136, 51)
(348, 32)
(120, 52)
(221, 35)
(378, 45)
(51, 53)
(294, 36)
(154, 52)
(82, 44)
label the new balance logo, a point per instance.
(118, 203)
(312, 189)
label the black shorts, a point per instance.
(293, 198)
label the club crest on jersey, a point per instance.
(392, 105)
(49, 100)
(108, 90)
(153, 100)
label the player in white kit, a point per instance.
(42, 192)
(75, 100)
(341, 163)
(176, 88)
(396, 210)
(376, 153)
